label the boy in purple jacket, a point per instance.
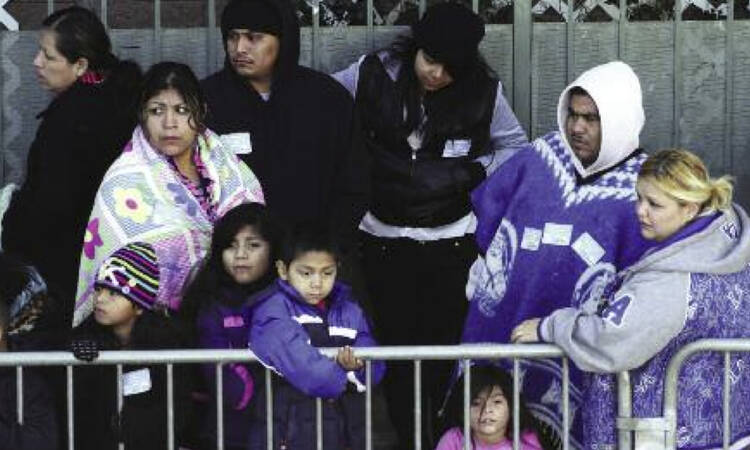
(306, 309)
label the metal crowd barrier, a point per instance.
(463, 353)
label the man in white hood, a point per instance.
(555, 222)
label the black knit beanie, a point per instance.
(253, 15)
(450, 33)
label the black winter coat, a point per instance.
(39, 429)
(80, 135)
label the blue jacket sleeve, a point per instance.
(281, 343)
(238, 383)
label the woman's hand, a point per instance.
(347, 360)
(526, 331)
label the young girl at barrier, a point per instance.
(490, 414)
(127, 317)
(243, 248)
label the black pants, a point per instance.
(417, 296)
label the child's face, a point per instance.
(489, 416)
(248, 258)
(112, 309)
(312, 274)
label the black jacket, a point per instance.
(39, 429)
(142, 424)
(81, 133)
(307, 150)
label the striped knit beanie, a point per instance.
(132, 271)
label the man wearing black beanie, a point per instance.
(292, 125)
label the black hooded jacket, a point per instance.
(306, 147)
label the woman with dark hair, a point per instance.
(172, 182)
(436, 123)
(82, 131)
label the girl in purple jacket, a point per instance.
(240, 265)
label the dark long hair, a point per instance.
(80, 34)
(212, 277)
(486, 377)
(177, 76)
(455, 107)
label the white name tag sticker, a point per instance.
(532, 237)
(136, 382)
(238, 143)
(456, 148)
(588, 249)
(557, 234)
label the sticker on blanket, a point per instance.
(557, 234)
(456, 148)
(238, 143)
(532, 237)
(588, 249)
(136, 382)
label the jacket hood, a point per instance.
(615, 89)
(289, 42)
(721, 247)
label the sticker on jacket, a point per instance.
(588, 249)
(234, 322)
(237, 143)
(456, 148)
(531, 239)
(136, 382)
(557, 234)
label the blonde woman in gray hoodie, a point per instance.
(693, 284)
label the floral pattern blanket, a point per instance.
(142, 198)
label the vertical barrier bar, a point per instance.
(516, 407)
(475, 5)
(210, 36)
(522, 37)
(69, 382)
(118, 373)
(370, 25)
(19, 395)
(50, 6)
(269, 411)
(103, 13)
(157, 29)
(624, 408)
(467, 401)
(368, 405)
(621, 35)
(566, 403)
(219, 407)
(422, 7)
(729, 88)
(418, 404)
(315, 31)
(570, 42)
(727, 424)
(677, 80)
(170, 407)
(319, 423)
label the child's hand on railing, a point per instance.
(526, 332)
(347, 360)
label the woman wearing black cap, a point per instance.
(436, 123)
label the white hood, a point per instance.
(615, 89)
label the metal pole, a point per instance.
(118, 373)
(570, 42)
(727, 389)
(19, 395)
(103, 13)
(269, 411)
(219, 406)
(624, 408)
(69, 381)
(522, 37)
(319, 422)
(210, 36)
(516, 407)
(157, 30)
(50, 6)
(677, 82)
(467, 402)
(417, 404)
(315, 31)
(170, 407)
(368, 405)
(566, 403)
(729, 89)
(621, 31)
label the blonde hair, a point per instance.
(683, 176)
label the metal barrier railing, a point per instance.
(726, 346)
(464, 353)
